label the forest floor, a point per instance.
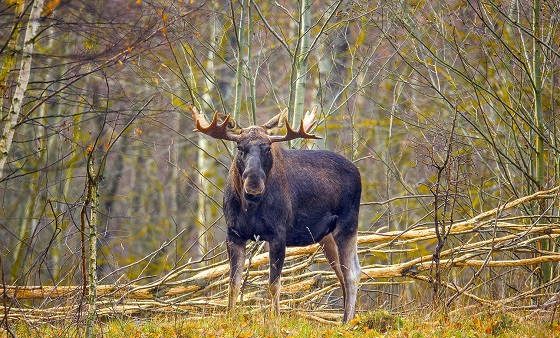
(372, 324)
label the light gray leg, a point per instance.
(331, 253)
(350, 265)
(277, 253)
(274, 290)
(236, 254)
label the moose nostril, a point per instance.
(253, 191)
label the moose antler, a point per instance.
(305, 125)
(221, 131)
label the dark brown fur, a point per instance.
(292, 198)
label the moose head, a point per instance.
(254, 145)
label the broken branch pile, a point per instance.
(503, 238)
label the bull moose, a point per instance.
(288, 198)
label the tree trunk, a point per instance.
(29, 221)
(537, 96)
(299, 69)
(92, 200)
(23, 79)
(539, 163)
(9, 60)
(241, 47)
(204, 163)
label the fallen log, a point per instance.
(167, 287)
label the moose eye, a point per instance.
(266, 150)
(240, 149)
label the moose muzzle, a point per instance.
(253, 182)
(253, 188)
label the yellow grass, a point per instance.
(371, 324)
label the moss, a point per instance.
(503, 323)
(380, 321)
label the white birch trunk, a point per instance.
(9, 60)
(298, 76)
(29, 222)
(240, 60)
(23, 79)
(299, 73)
(202, 212)
(204, 163)
(540, 163)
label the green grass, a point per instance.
(371, 324)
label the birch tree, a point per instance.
(300, 69)
(299, 66)
(11, 119)
(204, 162)
(539, 163)
(9, 59)
(242, 41)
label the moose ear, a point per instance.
(232, 124)
(277, 122)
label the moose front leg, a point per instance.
(277, 253)
(236, 254)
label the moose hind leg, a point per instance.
(236, 254)
(277, 253)
(350, 265)
(331, 253)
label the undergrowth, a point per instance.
(245, 325)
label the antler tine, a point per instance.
(213, 129)
(309, 118)
(291, 134)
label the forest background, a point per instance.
(448, 108)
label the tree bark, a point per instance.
(537, 96)
(241, 47)
(92, 200)
(9, 60)
(299, 71)
(539, 165)
(204, 163)
(23, 79)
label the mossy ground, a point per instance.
(371, 324)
